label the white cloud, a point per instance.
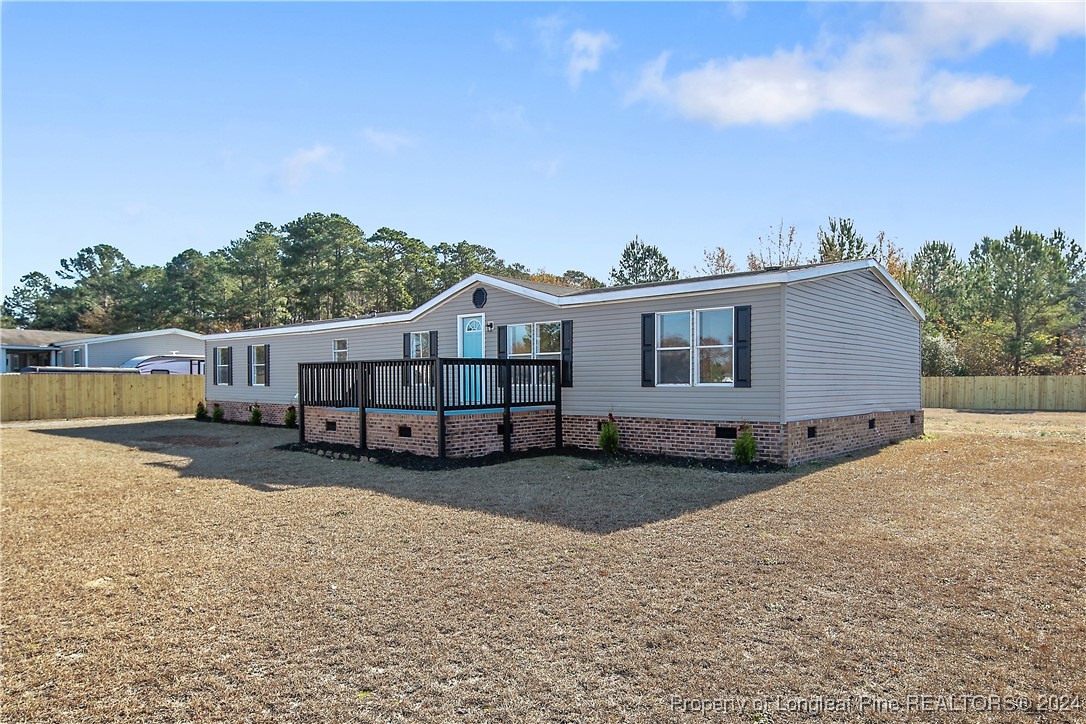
(972, 26)
(299, 167)
(888, 75)
(953, 97)
(584, 50)
(387, 141)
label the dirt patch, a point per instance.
(241, 582)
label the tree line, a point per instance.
(1014, 305)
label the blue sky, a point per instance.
(553, 133)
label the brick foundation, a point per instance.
(839, 435)
(473, 435)
(271, 413)
(682, 438)
(466, 435)
(383, 432)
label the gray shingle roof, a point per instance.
(39, 337)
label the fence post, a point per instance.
(360, 385)
(301, 404)
(558, 405)
(507, 396)
(439, 405)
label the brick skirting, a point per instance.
(472, 435)
(681, 438)
(271, 413)
(466, 435)
(835, 436)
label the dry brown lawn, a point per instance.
(172, 570)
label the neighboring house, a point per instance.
(818, 360)
(116, 349)
(34, 347)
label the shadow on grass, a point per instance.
(581, 493)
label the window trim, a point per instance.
(425, 335)
(694, 379)
(345, 350)
(697, 347)
(535, 353)
(689, 348)
(219, 378)
(254, 364)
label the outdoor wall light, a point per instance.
(490, 326)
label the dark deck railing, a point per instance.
(436, 384)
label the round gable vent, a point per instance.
(479, 298)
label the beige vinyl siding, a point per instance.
(606, 353)
(851, 348)
(115, 353)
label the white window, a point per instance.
(222, 365)
(537, 340)
(673, 348)
(534, 340)
(77, 358)
(339, 350)
(420, 345)
(715, 342)
(260, 365)
(695, 347)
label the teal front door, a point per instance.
(472, 346)
(471, 337)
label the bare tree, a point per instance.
(778, 248)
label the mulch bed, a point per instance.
(411, 461)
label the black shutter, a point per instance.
(406, 377)
(567, 353)
(503, 351)
(229, 365)
(267, 364)
(215, 365)
(249, 366)
(433, 343)
(742, 346)
(648, 350)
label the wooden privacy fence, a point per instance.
(59, 396)
(1064, 392)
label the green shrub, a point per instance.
(255, 415)
(609, 435)
(290, 419)
(217, 413)
(201, 411)
(745, 447)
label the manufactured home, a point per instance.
(817, 360)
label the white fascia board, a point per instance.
(130, 335)
(697, 286)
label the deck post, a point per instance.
(507, 401)
(301, 405)
(439, 405)
(558, 405)
(360, 385)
